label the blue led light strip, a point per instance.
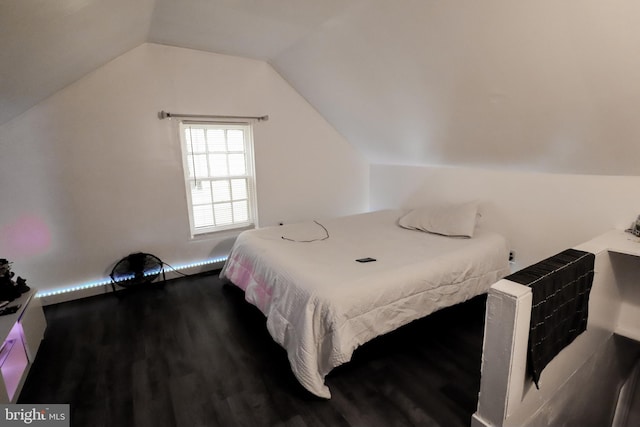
(104, 282)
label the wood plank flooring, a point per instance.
(194, 353)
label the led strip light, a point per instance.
(42, 294)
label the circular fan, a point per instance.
(136, 269)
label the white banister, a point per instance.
(504, 356)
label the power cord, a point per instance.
(312, 240)
(176, 270)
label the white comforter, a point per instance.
(321, 304)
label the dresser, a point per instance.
(20, 337)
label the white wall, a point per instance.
(91, 174)
(539, 213)
(543, 85)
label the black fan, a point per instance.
(136, 269)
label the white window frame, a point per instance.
(249, 175)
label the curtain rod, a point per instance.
(167, 115)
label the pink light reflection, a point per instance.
(27, 236)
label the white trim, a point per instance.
(103, 286)
(249, 176)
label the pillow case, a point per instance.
(457, 220)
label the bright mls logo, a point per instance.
(34, 415)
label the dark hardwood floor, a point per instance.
(194, 353)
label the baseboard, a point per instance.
(56, 296)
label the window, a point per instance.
(219, 175)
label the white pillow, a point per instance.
(452, 220)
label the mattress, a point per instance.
(321, 304)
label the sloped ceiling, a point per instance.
(46, 45)
(547, 85)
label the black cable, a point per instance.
(176, 270)
(309, 241)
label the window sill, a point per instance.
(217, 234)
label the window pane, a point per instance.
(218, 163)
(190, 165)
(239, 189)
(218, 160)
(235, 139)
(240, 211)
(216, 141)
(199, 162)
(200, 192)
(202, 216)
(221, 191)
(187, 139)
(236, 164)
(222, 212)
(194, 138)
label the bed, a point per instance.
(321, 304)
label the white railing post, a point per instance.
(504, 355)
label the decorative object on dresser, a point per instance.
(10, 289)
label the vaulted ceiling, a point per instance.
(547, 85)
